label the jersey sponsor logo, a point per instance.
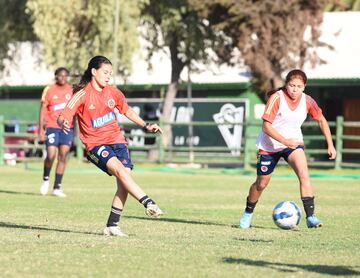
(103, 120)
(67, 96)
(59, 106)
(91, 107)
(265, 162)
(55, 97)
(104, 153)
(263, 168)
(111, 103)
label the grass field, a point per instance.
(197, 237)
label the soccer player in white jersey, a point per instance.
(281, 136)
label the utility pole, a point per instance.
(115, 41)
(190, 109)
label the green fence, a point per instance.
(26, 144)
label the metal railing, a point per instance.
(216, 155)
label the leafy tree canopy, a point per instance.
(15, 26)
(72, 31)
(268, 33)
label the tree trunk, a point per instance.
(176, 67)
(168, 105)
(277, 81)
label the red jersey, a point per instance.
(54, 99)
(95, 112)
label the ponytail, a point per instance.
(85, 79)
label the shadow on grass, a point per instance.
(39, 228)
(19, 192)
(174, 220)
(282, 267)
(253, 240)
(255, 227)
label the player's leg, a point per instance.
(65, 141)
(60, 169)
(112, 225)
(297, 160)
(116, 168)
(51, 151)
(265, 166)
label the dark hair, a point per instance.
(296, 73)
(94, 63)
(60, 69)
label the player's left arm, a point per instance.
(324, 126)
(125, 109)
(316, 114)
(131, 115)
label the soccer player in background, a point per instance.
(93, 102)
(281, 136)
(58, 143)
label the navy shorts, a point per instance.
(266, 163)
(57, 137)
(100, 155)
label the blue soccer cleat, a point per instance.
(245, 220)
(313, 222)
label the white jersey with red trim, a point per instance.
(287, 122)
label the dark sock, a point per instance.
(309, 205)
(46, 173)
(114, 217)
(145, 201)
(57, 183)
(250, 206)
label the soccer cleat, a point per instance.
(245, 220)
(44, 187)
(114, 231)
(313, 222)
(59, 193)
(153, 210)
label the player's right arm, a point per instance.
(42, 113)
(273, 133)
(271, 109)
(66, 116)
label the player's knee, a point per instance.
(62, 157)
(50, 158)
(261, 185)
(303, 176)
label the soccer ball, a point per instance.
(286, 215)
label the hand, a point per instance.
(154, 128)
(41, 136)
(292, 143)
(331, 152)
(64, 125)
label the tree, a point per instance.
(72, 31)
(345, 5)
(15, 26)
(173, 27)
(270, 34)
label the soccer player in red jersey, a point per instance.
(93, 103)
(53, 101)
(281, 136)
